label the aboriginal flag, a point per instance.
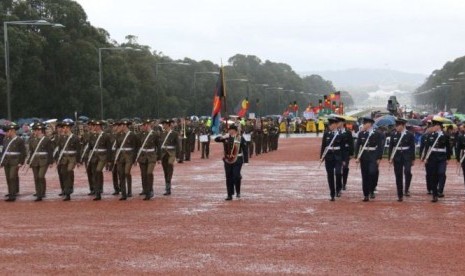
(218, 97)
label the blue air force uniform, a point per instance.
(403, 143)
(369, 158)
(436, 162)
(333, 144)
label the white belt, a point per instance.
(100, 150)
(148, 150)
(41, 153)
(370, 148)
(239, 155)
(334, 148)
(168, 147)
(69, 152)
(438, 150)
(127, 149)
(12, 153)
(403, 148)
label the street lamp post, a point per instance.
(7, 53)
(279, 98)
(195, 92)
(100, 72)
(156, 76)
(263, 85)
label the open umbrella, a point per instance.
(414, 122)
(386, 120)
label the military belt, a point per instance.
(148, 150)
(12, 153)
(438, 150)
(168, 147)
(41, 153)
(370, 148)
(403, 148)
(126, 149)
(69, 152)
(334, 148)
(100, 150)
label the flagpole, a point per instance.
(224, 89)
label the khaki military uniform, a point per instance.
(70, 156)
(125, 160)
(13, 156)
(169, 150)
(85, 142)
(99, 154)
(149, 154)
(41, 156)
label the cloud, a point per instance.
(410, 35)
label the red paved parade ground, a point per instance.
(283, 223)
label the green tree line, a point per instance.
(55, 72)
(444, 88)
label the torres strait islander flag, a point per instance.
(219, 95)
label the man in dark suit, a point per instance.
(402, 155)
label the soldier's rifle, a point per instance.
(327, 149)
(118, 152)
(143, 145)
(84, 151)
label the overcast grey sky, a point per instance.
(411, 35)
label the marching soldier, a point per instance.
(13, 157)
(402, 154)
(266, 137)
(332, 149)
(348, 151)
(191, 133)
(69, 156)
(249, 131)
(41, 157)
(98, 157)
(56, 137)
(258, 137)
(204, 138)
(235, 154)
(148, 155)
(127, 145)
(423, 142)
(114, 134)
(169, 150)
(88, 136)
(369, 152)
(437, 156)
(460, 149)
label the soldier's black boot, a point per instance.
(168, 189)
(129, 185)
(149, 187)
(435, 199)
(98, 196)
(39, 198)
(67, 197)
